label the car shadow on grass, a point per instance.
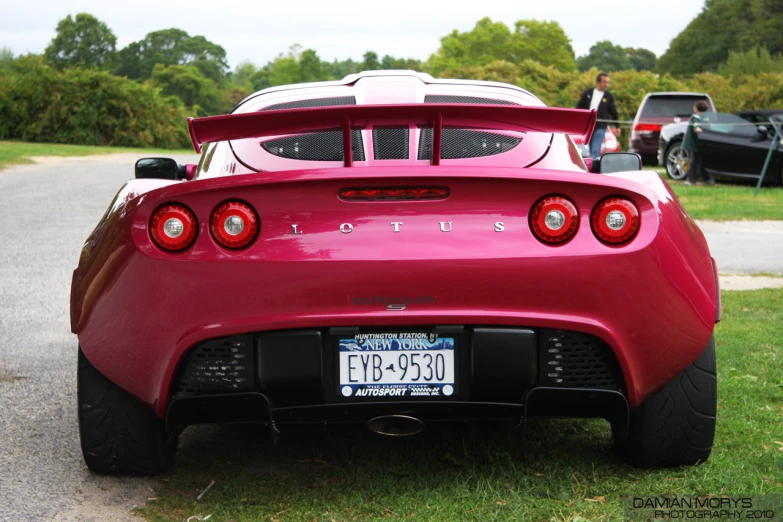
(339, 467)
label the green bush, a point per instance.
(41, 104)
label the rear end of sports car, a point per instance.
(421, 276)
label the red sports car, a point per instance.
(394, 250)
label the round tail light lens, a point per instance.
(234, 224)
(554, 220)
(173, 227)
(615, 220)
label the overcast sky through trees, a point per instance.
(260, 30)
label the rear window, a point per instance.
(671, 106)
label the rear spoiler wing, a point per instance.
(437, 115)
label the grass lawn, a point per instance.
(728, 201)
(560, 469)
(16, 152)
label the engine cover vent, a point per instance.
(390, 143)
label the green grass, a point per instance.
(17, 152)
(560, 470)
(728, 201)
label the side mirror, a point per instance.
(763, 130)
(619, 162)
(160, 168)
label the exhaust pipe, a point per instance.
(396, 425)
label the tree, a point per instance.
(755, 61)
(7, 60)
(490, 41)
(641, 59)
(546, 43)
(605, 56)
(190, 86)
(172, 47)
(723, 26)
(83, 41)
(242, 74)
(370, 62)
(339, 70)
(390, 62)
(311, 69)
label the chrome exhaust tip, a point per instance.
(396, 425)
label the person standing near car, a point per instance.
(602, 100)
(690, 144)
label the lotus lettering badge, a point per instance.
(444, 226)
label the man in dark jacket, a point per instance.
(601, 99)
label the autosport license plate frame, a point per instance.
(397, 365)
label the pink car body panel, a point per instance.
(138, 310)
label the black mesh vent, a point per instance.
(463, 143)
(574, 360)
(320, 102)
(390, 143)
(446, 98)
(315, 146)
(219, 366)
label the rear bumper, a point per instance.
(644, 147)
(139, 311)
(292, 377)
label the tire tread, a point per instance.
(119, 434)
(676, 425)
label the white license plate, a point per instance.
(397, 364)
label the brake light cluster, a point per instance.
(233, 224)
(555, 220)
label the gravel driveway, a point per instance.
(46, 212)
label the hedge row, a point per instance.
(41, 104)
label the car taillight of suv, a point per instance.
(656, 110)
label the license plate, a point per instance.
(396, 364)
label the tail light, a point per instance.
(173, 227)
(554, 220)
(645, 129)
(615, 220)
(234, 224)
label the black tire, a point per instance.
(119, 434)
(676, 425)
(674, 170)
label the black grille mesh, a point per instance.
(320, 102)
(574, 360)
(463, 143)
(218, 366)
(315, 146)
(447, 98)
(390, 143)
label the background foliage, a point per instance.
(86, 106)
(84, 90)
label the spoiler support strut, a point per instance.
(347, 142)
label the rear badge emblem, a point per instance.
(396, 307)
(445, 226)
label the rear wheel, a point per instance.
(677, 160)
(676, 425)
(119, 434)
